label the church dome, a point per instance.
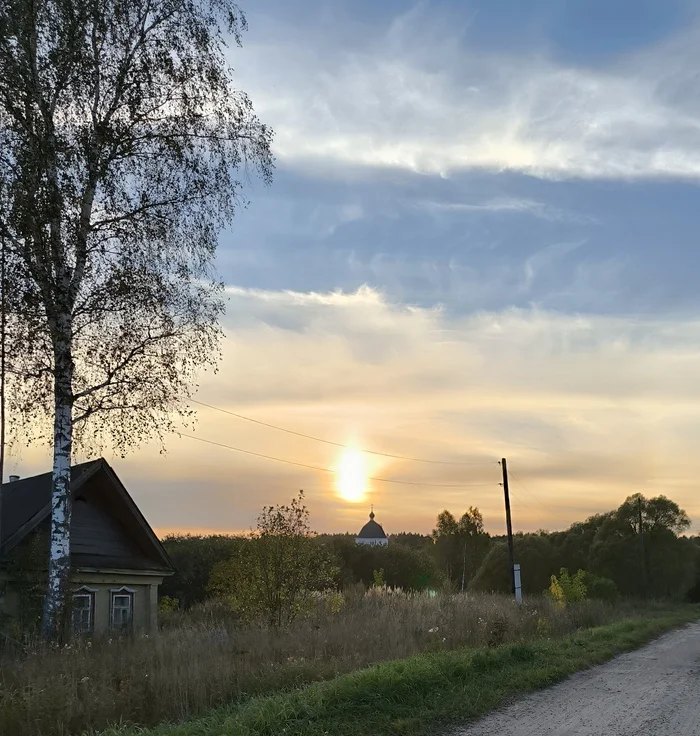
(371, 530)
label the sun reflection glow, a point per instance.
(351, 480)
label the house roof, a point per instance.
(26, 503)
(371, 530)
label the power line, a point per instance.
(517, 498)
(339, 444)
(520, 483)
(329, 470)
(512, 493)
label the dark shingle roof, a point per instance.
(371, 530)
(26, 499)
(26, 503)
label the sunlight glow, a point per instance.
(351, 480)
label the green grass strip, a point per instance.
(419, 694)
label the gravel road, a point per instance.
(654, 691)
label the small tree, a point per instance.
(277, 569)
(121, 136)
(461, 546)
(598, 588)
(567, 588)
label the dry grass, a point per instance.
(203, 659)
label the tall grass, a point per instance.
(424, 694)
(203, 658)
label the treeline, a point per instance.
(635, 550)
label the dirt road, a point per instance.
(654, 691)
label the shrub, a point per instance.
(276, 571)
(168, 605)
(497, 631)
(599, 588)
(566, 588)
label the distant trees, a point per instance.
(401, 566)
(412, 540)
(615, 553)
(272, 572)
(195, 557)
(647, 560)
(538, 562)
(460, 546)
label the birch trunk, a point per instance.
(53, 622)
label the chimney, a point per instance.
(13, 478)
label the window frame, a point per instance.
(122, 591)
(84, 592)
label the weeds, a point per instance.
(205, 657)
(424, 694)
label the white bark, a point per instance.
(59, 550)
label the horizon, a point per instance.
(482, 245)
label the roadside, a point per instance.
(649, 692)
(429, 693)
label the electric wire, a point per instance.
(340, 444)
(519, 482)
(329, 470)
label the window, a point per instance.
(83, 611)
(122, 609)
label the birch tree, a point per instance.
(123, 143)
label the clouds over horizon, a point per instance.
(588, 410)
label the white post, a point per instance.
(518, 585)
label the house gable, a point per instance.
(107, 529)
(100, 538)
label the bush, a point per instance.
(599, 588)
(567, 589)
(277, 569)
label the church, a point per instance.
(372, 533)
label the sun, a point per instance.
(351, 479)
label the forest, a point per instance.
(637, 550)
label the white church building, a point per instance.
(372, 533)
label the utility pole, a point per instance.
(642, 555)
(509, 525)
(464, 564)
(3, 318)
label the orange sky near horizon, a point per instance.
(581, 407)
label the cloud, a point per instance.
(587, 409)
(515, 205)
(441, 105)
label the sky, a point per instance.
(480, 242)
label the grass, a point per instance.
(204, 659)
(425, 693)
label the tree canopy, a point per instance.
(460, 546)
(123, 142)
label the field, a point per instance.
(204, 659)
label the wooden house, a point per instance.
(117, 562)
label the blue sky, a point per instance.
(575, 167)
(481, 240)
